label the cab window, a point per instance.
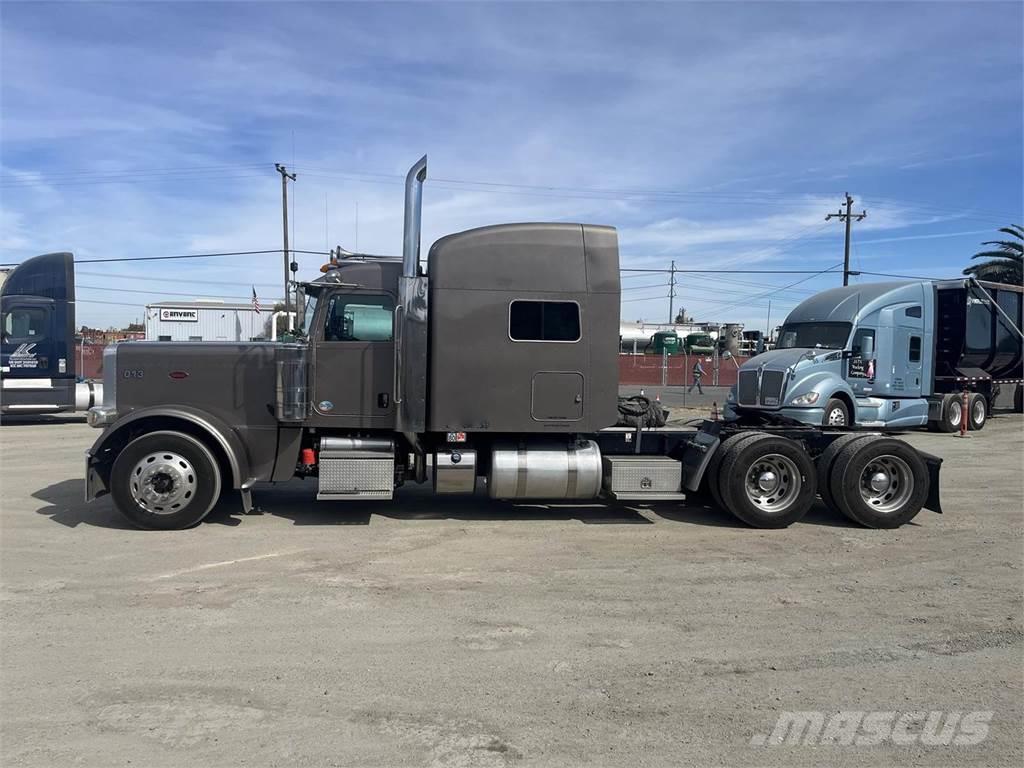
(363, 317)
(858, 340)
(25, 324)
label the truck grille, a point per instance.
(768, 394)
(771, 387)
(746, 389)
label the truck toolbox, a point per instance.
(635, 478)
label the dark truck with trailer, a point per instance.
(37, 340)
(891, 356)
(496, 366)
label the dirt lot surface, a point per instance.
(466, 632)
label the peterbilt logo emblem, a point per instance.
(325, 405)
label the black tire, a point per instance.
(1018, 399)
(181, 464)
(850, 470)
(952, 412)
(823, 464)
(837, 414)
(713, 475)
(977, 412)
(799, 482)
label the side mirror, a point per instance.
(727, 354)
(868, 347)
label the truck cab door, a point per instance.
(353, 360)
(27, 339)
(860, 363)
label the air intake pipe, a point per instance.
(413, 217)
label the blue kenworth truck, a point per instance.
(890, 355)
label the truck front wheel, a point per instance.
(879, 482)
(165, 480)
(836, 413)
(768, 482)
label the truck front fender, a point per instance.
(215, 432)
(827, 384)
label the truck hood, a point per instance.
(782, 359)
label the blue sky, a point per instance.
(715, 134)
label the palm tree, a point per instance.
(1005, 263)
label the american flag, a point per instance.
(255, 301)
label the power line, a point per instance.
(732, 271)
(175, 278)
(159, 293)
(178, 256)
(776, 290)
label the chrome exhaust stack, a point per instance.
(410, 395)
(413, 218)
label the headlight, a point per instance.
(809, 399)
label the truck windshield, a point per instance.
(814, 335)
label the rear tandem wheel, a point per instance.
(879, 482)
(768, 482)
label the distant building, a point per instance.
(208, 321)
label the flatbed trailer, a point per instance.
(496, 367)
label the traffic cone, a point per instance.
(714, 410)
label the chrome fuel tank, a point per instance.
(545, 471)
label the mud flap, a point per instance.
(94, 485)
(934, 465)
(697, 456)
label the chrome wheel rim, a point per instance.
(955, 411)
(773, 483)
(836, 418)
(163, 483)
(979, 411)
(886, 484)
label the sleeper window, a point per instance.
(544, 321)
(360, 318)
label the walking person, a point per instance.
(698, 371)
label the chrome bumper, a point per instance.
(101, 416)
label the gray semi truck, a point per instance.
(495, 367)
(890, 356)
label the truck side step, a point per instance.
(628, 496)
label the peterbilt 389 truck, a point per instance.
(496, 367)
(890, 355)
(38, 371)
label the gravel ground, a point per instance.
(466, 632)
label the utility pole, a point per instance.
(284, 211)
(671, 291)
(769, 330)
(849, 218)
